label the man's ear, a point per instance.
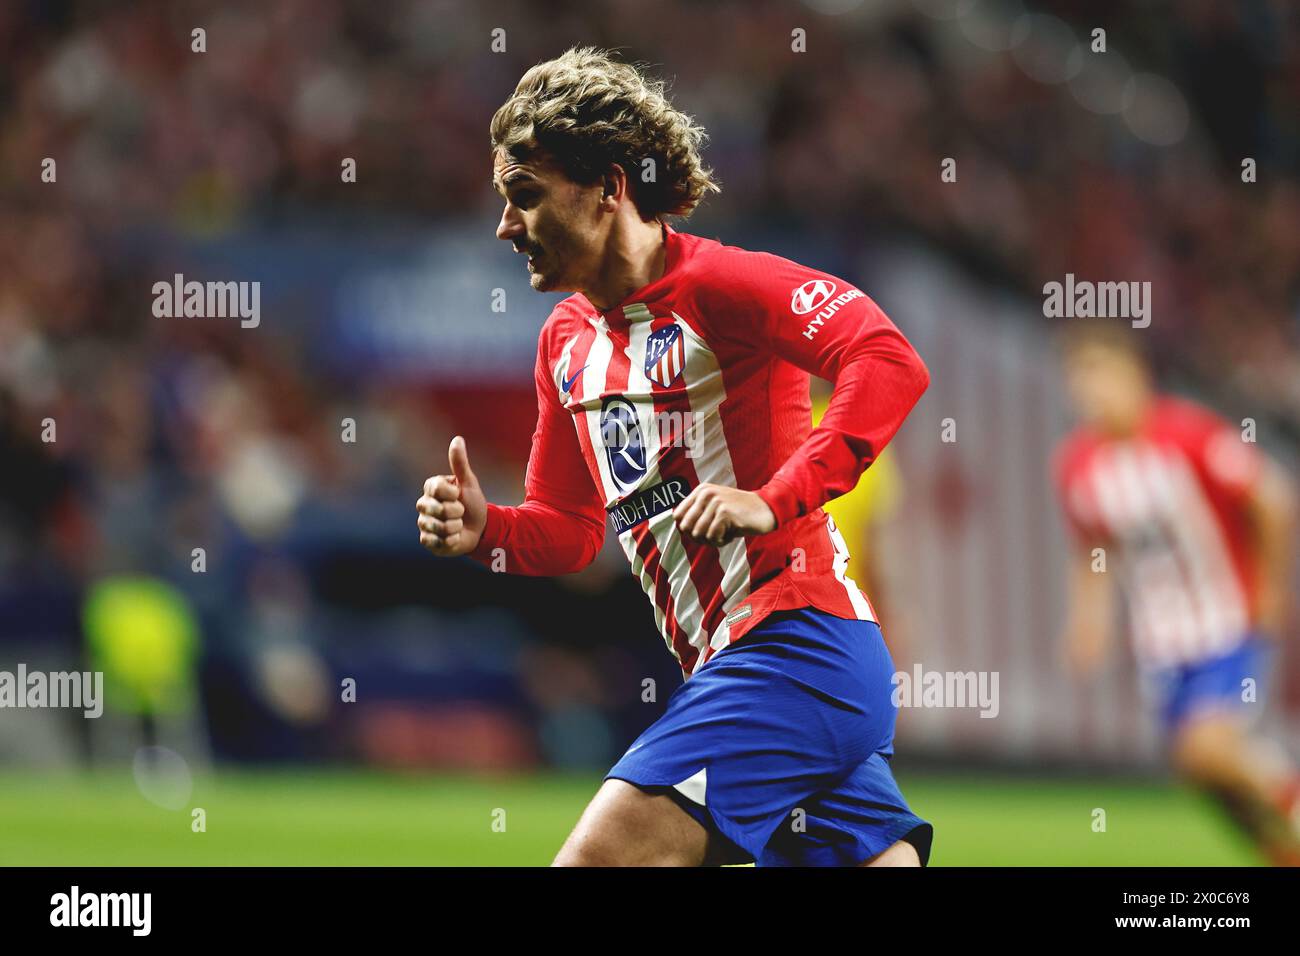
(613, 183)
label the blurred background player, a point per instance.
(1197, 526)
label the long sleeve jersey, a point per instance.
(701, 376)
(1171, 503)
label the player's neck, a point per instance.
(636, 256)
(1129, 425)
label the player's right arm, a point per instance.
(1091, 614)
(560, 526)
(1090, 591)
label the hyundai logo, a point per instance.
(810, 296)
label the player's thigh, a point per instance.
(901, 853)
(626, 826)
(1208, 741)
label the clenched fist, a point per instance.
(452, 509)
(716, 514)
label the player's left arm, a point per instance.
(878, 377)
(1268, 497)
(1271, 504)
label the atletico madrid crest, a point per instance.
(665, 355)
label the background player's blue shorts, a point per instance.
(780, 746)
(1215, 683)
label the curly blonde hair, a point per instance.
(588, 111)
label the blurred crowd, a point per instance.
(164, 436)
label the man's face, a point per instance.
(552, 219)
(1107, 386)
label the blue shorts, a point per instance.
(1215, 683)
(780, 746)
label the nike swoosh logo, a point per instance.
(568, 382)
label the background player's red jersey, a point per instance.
(1171, 502)
(702, 376)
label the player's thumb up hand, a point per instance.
(451, 513)
(458, 457)
(471, 495)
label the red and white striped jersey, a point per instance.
(702, 376)
(1171, 503)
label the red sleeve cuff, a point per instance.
(494, 532)
(782, 499)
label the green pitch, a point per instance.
(359, 818)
